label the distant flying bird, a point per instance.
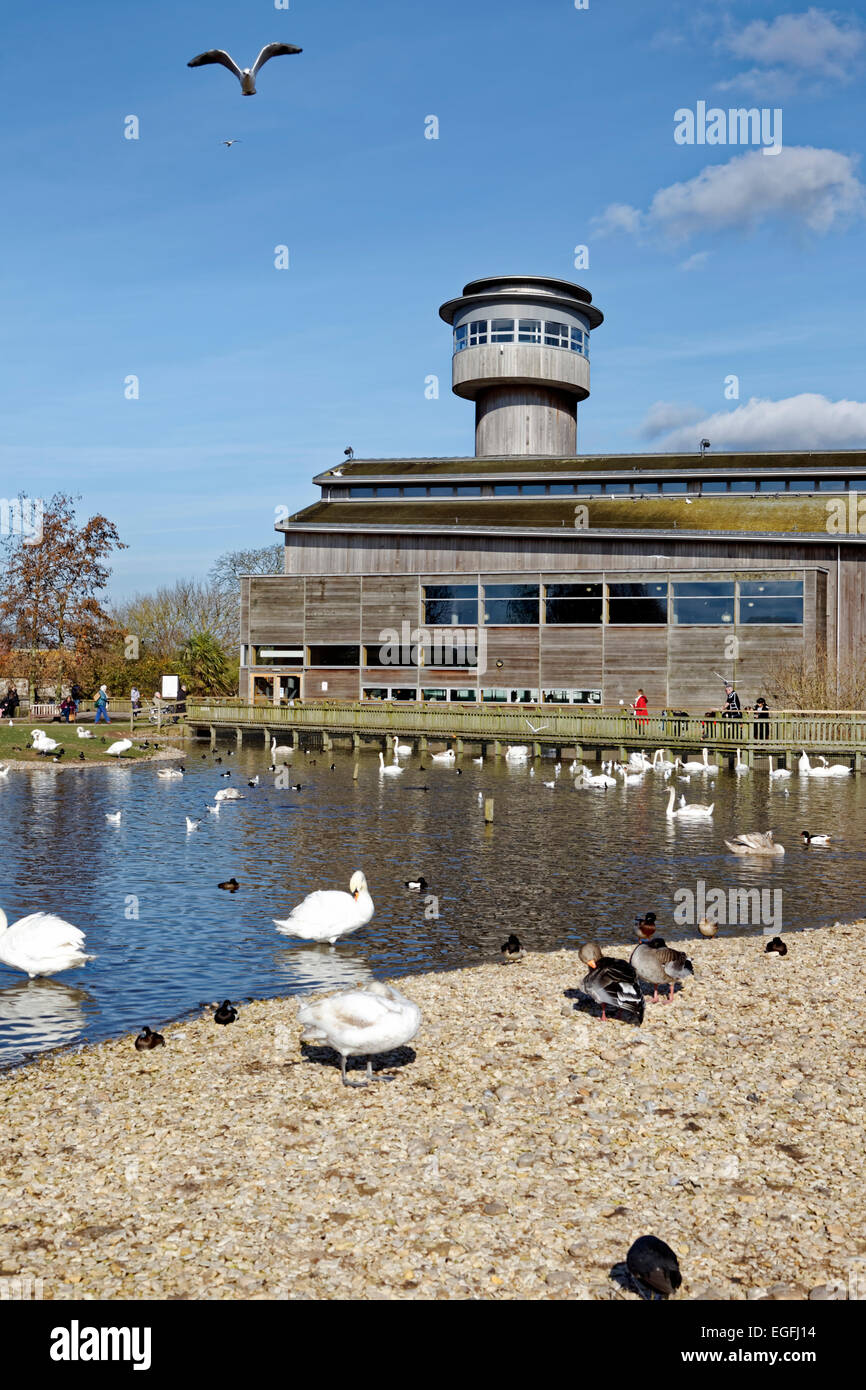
(246, 76)
(228, 143)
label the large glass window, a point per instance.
(468, 490)
(477, 332)
(586, 697)
(831, 484)
(523, 697)
(771, 601)
(714, 485)
(801, 485)
(556, 697)
(529, 331)
(506, 489)
(771, 484)
(386, 491)
(710, 603)
(743, 485)
(578, 604)
(638, 603)
(502, 330)
(374, 692)
(361, 491)
(451, 605)
(510, 605)
(533, 489)
(556, 334)
(561, 489)
(437, 693)
(414, 492)
(646, 487)
(579, 341)
(494, 697)
(335, 656)
(463, 696)
(461, 336)
(675, 486)
(616, 488)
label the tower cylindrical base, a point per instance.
(525, 420)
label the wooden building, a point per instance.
(548, 577)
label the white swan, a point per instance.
(516, 753)
(639, 760)
(281, 751)
(709, 768)
(392, 770)
(114, 750)
(326, 915)
(740, 768)
(778, 772)
(41, 944)
(807, 770)
(229, 794)
(170, 772)
(697, 810)
(661, 763)
(42, 743)
(585, 778)
(361, 1023)
(403, 749)
(447, 757)
(4, 771)
(84, 733)
(689, 767)
(113, 817)
(804, 767)
(629, 779)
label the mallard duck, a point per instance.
(654, 1265)
(660, 964)
(146, 1039)
(612, 983)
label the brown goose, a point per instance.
(612, 983)
(660, 964)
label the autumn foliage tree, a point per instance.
(50, 600)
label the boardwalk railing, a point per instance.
(785, 731)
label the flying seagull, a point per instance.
(535, 730)
(228, 143)
(246, 76)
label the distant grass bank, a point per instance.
(15, 743)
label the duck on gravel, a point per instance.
(612, 983)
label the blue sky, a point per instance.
(155, 257)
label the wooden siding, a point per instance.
(276, 610)
(633, 657)
(388, 602)
(332, 610)
(342, 684)
(571, 656)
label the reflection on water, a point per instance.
(39, 1014)
(557, 867)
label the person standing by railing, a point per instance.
(101, 703)
(762, 718)
(640, 709)
(733, 709)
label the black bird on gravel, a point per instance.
(226, 1013)
(653, 1265)
(511, 948)
(231, 885)
(777, 945)
(146, 1039)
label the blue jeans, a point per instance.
(101, 713)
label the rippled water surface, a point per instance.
(558, 867)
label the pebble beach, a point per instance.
(520, 1148)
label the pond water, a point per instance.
(558, 867)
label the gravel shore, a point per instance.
(521, 1148)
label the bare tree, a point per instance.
(226, 571)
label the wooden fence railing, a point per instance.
(820, 731)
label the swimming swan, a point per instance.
(41, 944)
(755, 842)
(326, 915)
(696, 811)
(392, 769)
(280, 751)
(361, 1023)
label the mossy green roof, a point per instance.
(766, 513)
(758, 463)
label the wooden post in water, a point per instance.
(212, 736)
(488, 810)
(296, 739)
(536, 749)
(459, 748)
(239, 735)
(497, 748)
(858, 762)
(355, 773)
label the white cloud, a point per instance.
(818, 42)
(665, 416)
(695, 262)
(807, 421)
(815, 188)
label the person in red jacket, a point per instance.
(639, 708)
